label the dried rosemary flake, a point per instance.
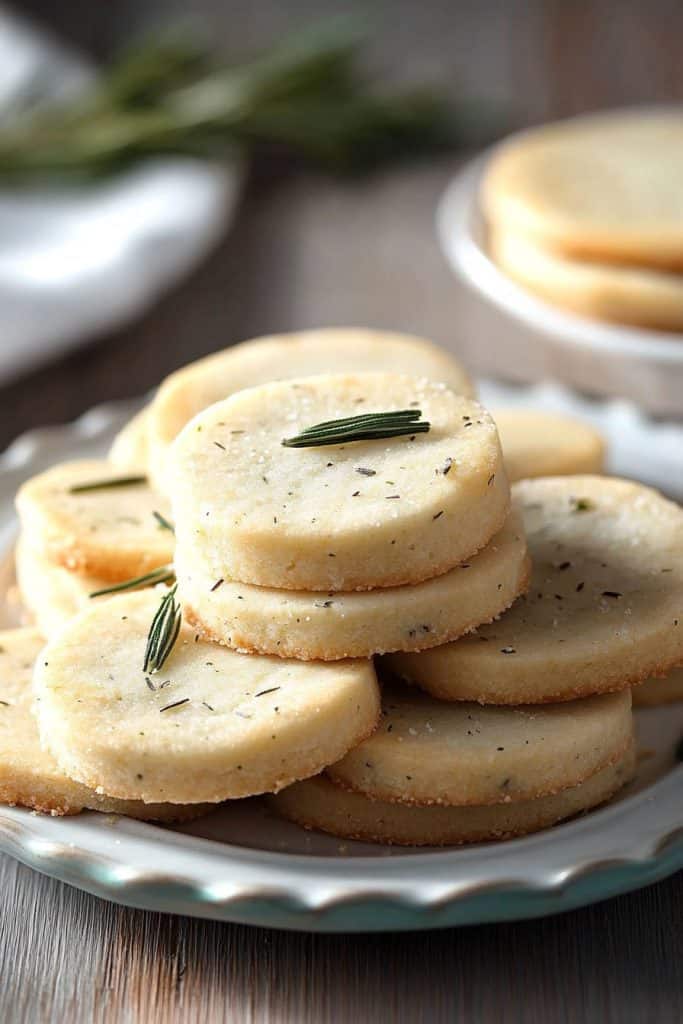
(175, 704)
(163, 522)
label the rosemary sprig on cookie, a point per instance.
(101, 485)
(163, 632)
(164, 574)
(366, 427)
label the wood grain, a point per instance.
(307, 251)
(67, 957)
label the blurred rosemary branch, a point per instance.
(306, 96)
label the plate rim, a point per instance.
(337, 893)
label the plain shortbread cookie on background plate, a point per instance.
(619, 294)
(426, 751)
(356, 624)
(604, 609)
(606, 186)
(319, 804)
(209, 726)
(110, 532)
(29, 776)
(348, 516)
(281, 356)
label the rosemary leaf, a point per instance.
(101, 485)
(368, 427)
(163, 632)
(161, 575)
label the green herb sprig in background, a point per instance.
(306, 96)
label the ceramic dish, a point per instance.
(243, 864)
(506, 330)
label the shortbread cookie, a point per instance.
(620, 294)
(129, 448)
(351, 516)
(318, 803)
(357, 624)
(545, 444)
(604, 609)
(29, 776)
(606, 186)
(211, 725)
(659, 691)
(110, 532)
(282, 356)
(427, 751)
(51, 594)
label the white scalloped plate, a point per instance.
(243, 864)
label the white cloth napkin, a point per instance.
(77, 261)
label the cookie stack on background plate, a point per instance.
(282, 569)
(587, 214)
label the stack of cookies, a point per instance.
(588, 215)
(220, 596)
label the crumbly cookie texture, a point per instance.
(282, 356)
(350, 516)
(538, 443)
(130, 448)
(211, 725)
(320, 804)
(29, 775)
(604, 609)
(332, 625)
(51, 594)
(604, 187)
(110, 532)
(639, 296)
(427, 751)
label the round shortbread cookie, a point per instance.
(110, 532)
(659, 691)
(50, 594)
(319, 804)
(618, 294)
(427, 751)
(357, 624)
(129, 449)
(280, 357)
(538, 443)
(211, 725)
(350, 516)
(605, 186)
(29, 776)
(604, 609)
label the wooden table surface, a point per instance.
(306, 251)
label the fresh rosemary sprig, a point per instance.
(101, 485)
(164, 523)
(306, 96)
(366, 427)
(164, 574)
(163, 632)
